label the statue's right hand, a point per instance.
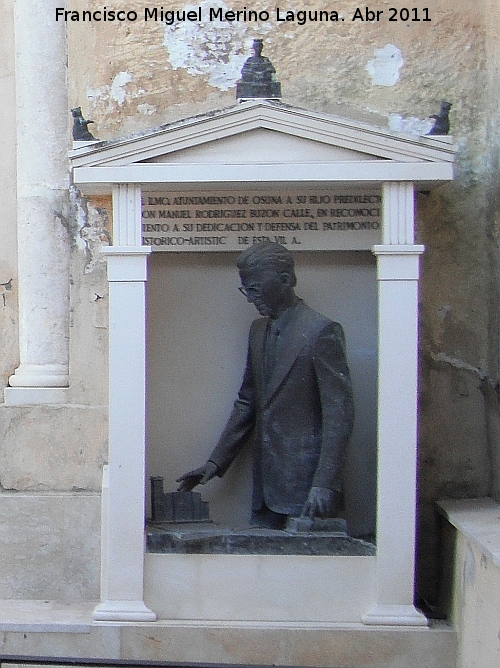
(200, 476)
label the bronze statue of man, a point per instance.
(295, 399)
(257, 69)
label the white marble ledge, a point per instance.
(479, 521)
(24, 616)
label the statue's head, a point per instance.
(77, 111)
(267, 273)
(258, 45)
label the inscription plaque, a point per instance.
(337, 218)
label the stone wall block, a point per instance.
(52, 447)
(52, 550)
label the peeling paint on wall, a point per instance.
(384, 68)
(118, 92)
(410, 126)
(114, 94)
(93, 230)
(5, 287)
(95, 94)
(146, 109)
(209, 48)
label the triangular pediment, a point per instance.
(262, 146)
(262, 141)
(263, 132)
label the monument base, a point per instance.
(208, 538)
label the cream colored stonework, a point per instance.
(8, 247)
(51, 550)
(66, 453)
(40, 628)
(472, 578)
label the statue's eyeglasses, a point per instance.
(251, 291)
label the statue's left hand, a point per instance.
(321, 502)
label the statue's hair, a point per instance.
(268, 255)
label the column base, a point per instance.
(38, 384)
(40, 375)
(123, 611)
(394, 615)
(25, 396)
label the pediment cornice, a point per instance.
(326, 130)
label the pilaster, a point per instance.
(397, 276)
(123, 510)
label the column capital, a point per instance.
(126, 250)
(398, 204)
(398, 249)
(127, 263)
(127, 214)
(398, 262)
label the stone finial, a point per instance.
(80, 129)
(257, 77)
(442, 121)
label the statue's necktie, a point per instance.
(270, 350)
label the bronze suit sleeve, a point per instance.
(240, 423)
(335, 389)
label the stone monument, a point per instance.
(257, 76)
(81, 131)
(442, 120)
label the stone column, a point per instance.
(42, 192)
(398, 271)
(123, 509)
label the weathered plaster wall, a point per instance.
(493, 138)
(63, 447)
(459, 454)
(91, 222)
(150, 74)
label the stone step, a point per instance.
(48, 628)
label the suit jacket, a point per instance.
(301, 417)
